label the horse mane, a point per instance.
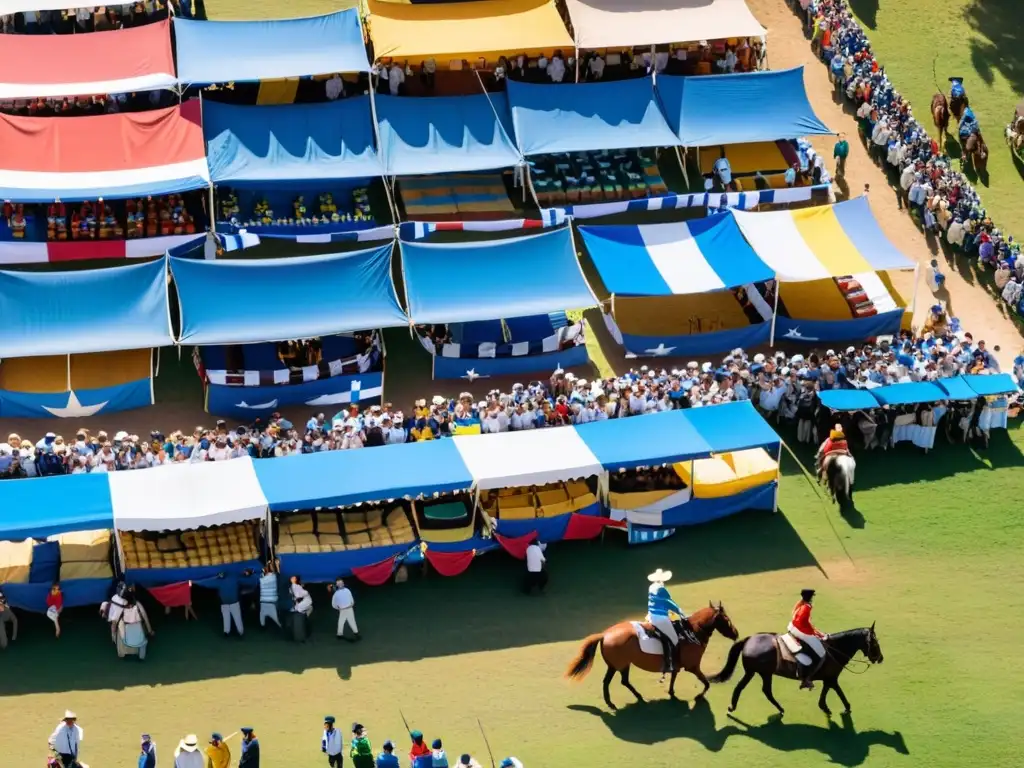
(840, 640)
(700, 619)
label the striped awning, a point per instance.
(678, 258)
(821, 242)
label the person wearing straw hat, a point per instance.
(511, 762)
(187, 754)
(66, 738)
(659, 603)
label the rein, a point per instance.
(832, 654)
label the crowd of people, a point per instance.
(66, 741)
(775, 383)
(92, 18)
(938, 195)
(96, 104)
(103, 220)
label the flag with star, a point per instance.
(75, 386)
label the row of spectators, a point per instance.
(92, 18)
(775, 383)
(940, 198)
(103, 220)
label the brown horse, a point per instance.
(940, 114)
(976, 150)
(763, 655)
(620, 650)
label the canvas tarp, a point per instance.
(533, 457)
(121, 61)
(690, 315)
(739, 108)
(225, 51)
(42, 506)
(909, 393)
(481, 293)
(848, 399)
(463, 31)
(821, 242)
(343, 478)
(129, 154)
(250, 145)
(627, 23)
(581, 117)
(655, 439)
(354, 293)
(186, 496)
(676, 258)
(445, 134)
(734, 427)
(42, 311)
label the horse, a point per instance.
(764, 654)
(620, 649)
(976, 150)
(940, 114)
(839, 475)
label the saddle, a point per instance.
(650, 638)
(791, 652)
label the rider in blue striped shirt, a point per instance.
(659, 603)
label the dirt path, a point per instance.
(978, 310)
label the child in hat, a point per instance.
(387, 757)
(360, 751)
(330, 743)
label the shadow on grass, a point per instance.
(866, 11)
(999, 46)
(481, 611)
(662, 720)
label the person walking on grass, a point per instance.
(250, 749)
(330, 743)
(343, 602)
(218, 755)
(147, 752)
(387, 758)
(840, 152)
(360, 750)
(268, 596)
(66, 738)
(187, 754)
(536, 571)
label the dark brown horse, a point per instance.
(957, 105)
(940, 114)
(620, 650)
(764, 655)
(976, 151)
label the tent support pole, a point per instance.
(913, 300)
(212, 213)
(775, 312)
(654, 67)
(69, 373)
(778, 480)
(681, 157)
(577, 57)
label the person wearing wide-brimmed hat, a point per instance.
(187, 754)
(66, 738)
(659, 603)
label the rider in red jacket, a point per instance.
(801, 628)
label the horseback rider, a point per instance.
(801, 628)
(659, 603)
(835, 445)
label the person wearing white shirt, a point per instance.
(636, 403)
(556, 69)
(529, 417)
(343, 602)
(268, 596)
(66, 738)
(335, 87)
(730, 61)
(536, 574)
(302, 601)
(396, 77)
(219, 451)
(596, 67)
(723, 170)
(330, 743)
(515, 422)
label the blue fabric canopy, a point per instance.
(341, 478)
(957, 388)
(740, 108)
(249, 145)
(661, 438)
(43, 506)
(991, 384)
(89, 310)
(462, 282)
(617, 114)
(697, 256)
(445, 134)
(733, 427)
(909, 393)
(224, 51)
(848, 399)
(349, 292)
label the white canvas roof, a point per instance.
(624, 23)
(185, 496)
(534, 457)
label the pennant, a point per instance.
(588, 526)
(450, 563)
(376, 574)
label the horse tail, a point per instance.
(730, 663)
(584, 660)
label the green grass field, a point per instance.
(932, 555)
(979, 40)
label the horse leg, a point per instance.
(700, 676)
(766, 687)
(607, 682)
(747, 677)
(826, 686)
(842, 696)
(672, 683)
(624, 675)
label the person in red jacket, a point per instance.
(801, 628)
(835, 444)
(54, 606)
(420, 755)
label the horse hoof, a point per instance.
(612, 707)
(847, 711)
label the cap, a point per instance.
(329, 719)
(216, 737)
